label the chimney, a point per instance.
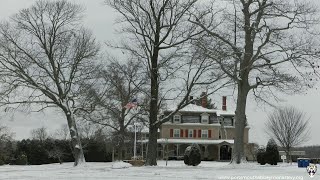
(204, 99)
(224, 103)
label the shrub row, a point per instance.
(36, 152)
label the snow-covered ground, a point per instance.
(174, 170)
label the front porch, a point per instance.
(212, 150)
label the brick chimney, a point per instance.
(204, 99)
(224, 103)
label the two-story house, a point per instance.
(212, 129)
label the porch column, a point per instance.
(206, 153)
(147, 149)
(218, 152)
(178, 149)
(232, 151)
(142, 149)
(163, 151)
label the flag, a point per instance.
(132, 104)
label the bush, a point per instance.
(272, 153)
(269, 155)
(22, 160)
(261, 156)
(192, 155)
(1, 160)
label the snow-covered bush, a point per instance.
(268, 155)
(261, 155)
(192, 155)
(120, 165)
(272, 153)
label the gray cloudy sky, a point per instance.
(100, 19)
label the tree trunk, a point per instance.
(240, 123)
(121, 148)
(287, 156)
(152, 147)
(75, 140)
(153, 112)
(59, 159)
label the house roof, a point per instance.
(200, 109)
(191, 141)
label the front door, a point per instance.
(225, 152)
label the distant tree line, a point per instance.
(36, 152)
(45, 149)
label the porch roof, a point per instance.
(191, 141)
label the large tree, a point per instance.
(158, 34)
(46, 58)
(118, 83)
(289, 127)
(262, 45)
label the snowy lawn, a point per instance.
(174, 170)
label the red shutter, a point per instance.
(209, 132)
(199, 133)
(181, 132)
(171, 132)
(194, 133)
(186, 133)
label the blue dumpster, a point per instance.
(299, 161)
(303, 162)
(306, 162)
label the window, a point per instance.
(227, 121)
(176, 119)
(176, 133)
(204, 118)
(190, 133)
(204, 134)
(214, 119)
(191, 118)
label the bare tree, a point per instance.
(158, 34)
(62, 133)
(5, 134)
(40, 134)
(117, 85)
(56, 153)
(262, 45)
(87, 130)
(5, 144)
(46, 58)
(289, 126)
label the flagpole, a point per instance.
(131, 105)
(135, 141)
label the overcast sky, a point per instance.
(100, 19)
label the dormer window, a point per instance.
(177, 118)
(205, 118)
